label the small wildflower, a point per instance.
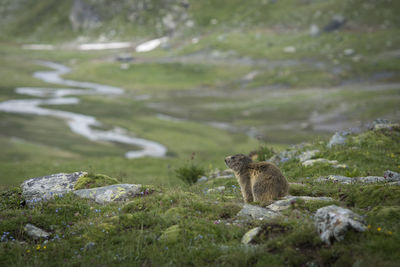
(28, 251)
(389, 232)
(38, 247)
(378, 229)
(44, 247)
(369, 226)
(217, 222)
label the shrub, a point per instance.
(190, 174)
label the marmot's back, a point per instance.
(267, 182)
(261, 181)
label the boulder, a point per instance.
(250, 235)
(287, 201)
(379, 124)
(257, 213)
(338, 138)
(202, 179)
(307, 155)
(218, 189)
(391, 176)
(311, 162)
(46, 187)
(83, 16)
(314, 30)
(35, 232)
(111, 193)
(332, 223)
(337, 179)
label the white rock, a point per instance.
(111, 193)
(218, 189)
(35, 232)
(202, 179)
(332, 222)
(314, 30)
(37, 189)
(391, 176)
(151, 45)
(257, 213)
(311, 162)
(285, 203)
(336, 178)
(348, 52)
(250, 235)
(307, 155)
(289, 49)
(338, 138)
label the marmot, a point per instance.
(261, 182)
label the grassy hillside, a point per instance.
(186, 225)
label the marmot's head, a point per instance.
(237, 162)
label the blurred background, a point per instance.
(201, 80)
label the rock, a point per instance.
(90, 245)
(125, 58)
(311, 162)
(371, 179)
(348, 52)
(337, 22)
(46, 187)
(287, 201)
(169, 21)
(337, 179)
(287, 154)
(218, 189)
(340, 166)
(338, 138)
(379, 124)
(111, 193)
(257, 213)
(307, 155)
(275, 159)
(391, 176)
(289, 49)
(35, 232)
(366, 180)
(83, 16)
(225, 174)
(250, 235)
(332, 222)
(314, 30)
(202, 179)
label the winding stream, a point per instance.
(78, 123)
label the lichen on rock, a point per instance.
(35, 190)
(332, 222)
(111, 193)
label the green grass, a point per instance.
(183, 225)
(178, 224)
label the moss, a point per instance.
(99, 232)
(11, 199)
(171, 235)
(93, 181)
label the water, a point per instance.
(78, 123)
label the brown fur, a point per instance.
(261, 182)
